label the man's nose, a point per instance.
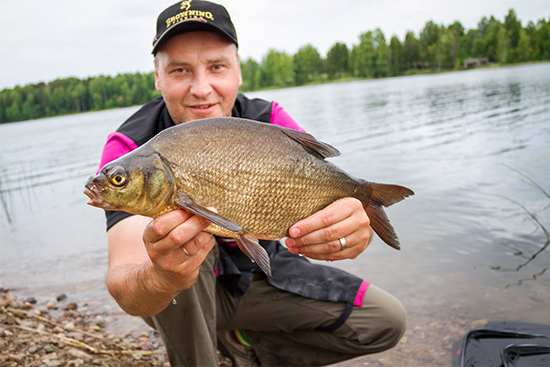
(201, 86)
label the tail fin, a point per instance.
(384, 195)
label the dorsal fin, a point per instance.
(312, 145)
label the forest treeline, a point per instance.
(436, 48)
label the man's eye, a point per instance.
(179, 71)
(218, 67)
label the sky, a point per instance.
(44, 40)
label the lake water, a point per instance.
(470, 144)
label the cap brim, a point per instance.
(190, 25)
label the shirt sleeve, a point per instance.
(116, 146)
(280, 117)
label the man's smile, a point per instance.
(203, 106)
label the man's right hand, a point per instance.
(166, 238)
(147, 264)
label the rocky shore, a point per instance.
(62, 333)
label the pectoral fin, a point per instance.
(185, 202)
(252, 248)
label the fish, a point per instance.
(260, 178)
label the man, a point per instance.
(195, 289)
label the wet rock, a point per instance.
(53, 363)
(18, 358)
(71, 306)
(26, 306)
(4, 301)
(100, 321)
(40, 312)
(32, 350)
(61, 297)
(68, 314)
(49, 349)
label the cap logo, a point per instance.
(186, 5)
(188, 14)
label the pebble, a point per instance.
(69, 326)
(61, 297)
(40, 312)
(53, 363)
(50, 305)
(4, 302)
(79, 354)
(71, 306)
(49, 349)
(18, 358)
(100, 321)
(32, 350)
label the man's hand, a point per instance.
(147, 264)
(318, 236)
(177, 246)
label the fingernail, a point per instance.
(293, 250)
(290, 242)
(294, 232)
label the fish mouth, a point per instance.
(92, 192)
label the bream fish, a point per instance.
(261, 178)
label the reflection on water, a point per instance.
(464, 142)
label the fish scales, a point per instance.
(245, 179)
(260, 178)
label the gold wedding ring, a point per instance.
(185, 251)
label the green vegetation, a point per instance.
(437, 48)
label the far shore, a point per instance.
(411, 72)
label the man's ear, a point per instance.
(240, 73)
(157, 81)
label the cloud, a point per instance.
(45, 40)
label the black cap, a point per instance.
(193, 15)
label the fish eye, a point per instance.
(118, 178)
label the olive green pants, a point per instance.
(280, 326)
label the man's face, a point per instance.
(198, 75)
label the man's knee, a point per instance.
(383, 321)
(394, 323)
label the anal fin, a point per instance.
(252, 248)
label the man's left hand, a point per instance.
(318, 236)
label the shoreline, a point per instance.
(409, 73)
